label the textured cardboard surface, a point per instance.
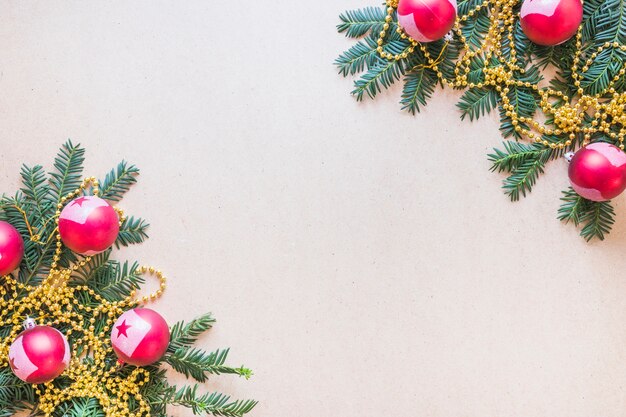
(362, 261)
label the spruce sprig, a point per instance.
(596, 217)
(603, 25)
(32, 211)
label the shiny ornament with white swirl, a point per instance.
(39, 354)
(88, 225)
(426, 20)
(598, 171)
(550, 22)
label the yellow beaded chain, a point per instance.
(568, 117)
(54, 303)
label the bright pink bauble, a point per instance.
(140, 336)
(11, 248)
(426, 20)
(39, 354)
(550, 22)
(598, 171)
(88, 225)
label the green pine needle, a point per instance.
(356, 23)
(214, 403)
(118, 181)
(477, 102)
(196, 363)
(132, 232)
(596, 217)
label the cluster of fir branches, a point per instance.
(603, 21)
(31, 210)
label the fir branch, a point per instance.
(86, 272)
(118, 181)
(214, 403)
(115, 281)
(381, 75)
(524, 162)
(599, 220)
(464, 6)
(592, 9)
(597, 217)
(360, 56)
(196, 363)
(15, 395)
(523, 178)
(80, 407)
(132, 231)
(477, 102)
(419, 86)
(69, 167)
(522, 45)
(356, 23)
(573, 208)
(610, 26)
(185, 334)
(475, 29)
(35, 190)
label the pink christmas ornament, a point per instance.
(39, 354)
(140, 336)
(598, 171)
(11, 248)
(426, 20)
(88, 225)
(550, 22)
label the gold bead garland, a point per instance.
(53, 303)
(568, 117)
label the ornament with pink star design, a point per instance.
(140, 337)
(39, 354)
(88, 225)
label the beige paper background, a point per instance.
(362, 261)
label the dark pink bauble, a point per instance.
(140, 336)
(39, 354)
(88, 225)
(11, 248)
(550, 22)
(598, 171)
(426, 20)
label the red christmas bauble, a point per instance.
(39, 354)
(140, 336)
(88, 225)
(550, 22)
(426, 20)
(598, 171)
(11, 248)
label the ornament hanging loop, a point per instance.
(29, 323)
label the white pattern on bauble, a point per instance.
(544, 7)
(589, 193)
(66, 355)
(17, 354)
(137, 330)
(408, 24)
